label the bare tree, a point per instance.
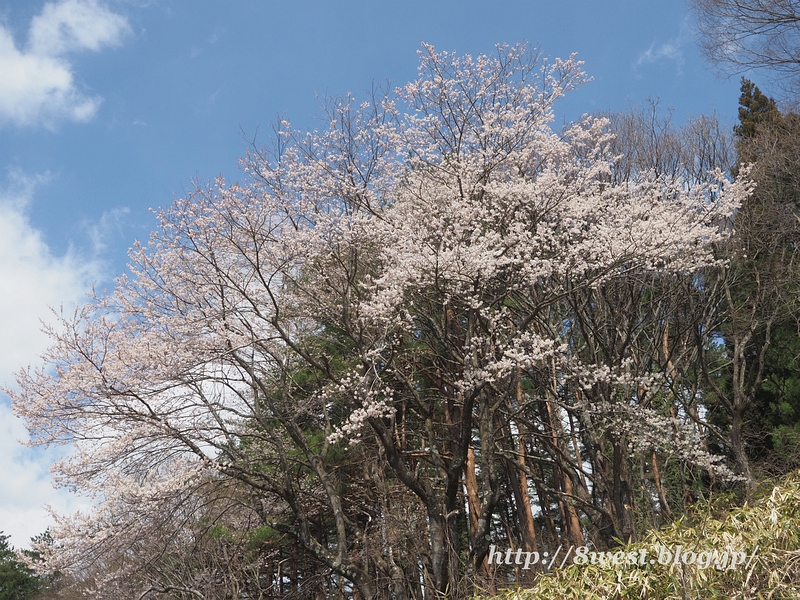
(738, 35)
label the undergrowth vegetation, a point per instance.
(766, 529)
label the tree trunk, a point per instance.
(622, 495)
(662, 499)
(737, 448)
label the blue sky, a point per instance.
(111, 107)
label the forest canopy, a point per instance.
(435, 326)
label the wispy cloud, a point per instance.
(38, 86)
(670, 51)
(107, 229)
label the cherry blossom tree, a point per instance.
(394, 324)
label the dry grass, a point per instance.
(770, 523)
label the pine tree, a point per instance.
(763, 306)
(754, 108)
(17, 581)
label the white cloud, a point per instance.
(32, 280)
(38, 83)
(671, 50)
(74, 25)
(27, 484)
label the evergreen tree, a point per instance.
(754, 108)
(768, 233)
(17, 581)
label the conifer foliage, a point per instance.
(17, 581)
